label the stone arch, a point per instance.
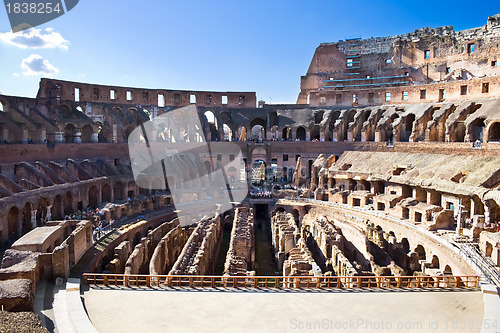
(407, 129)
(286, 133)
(128, 130)
(258, 129)
(27, 223)
(476, 129)
(435, 261)
(447, 270)
(69, 133)
(228, 133)
(68, 203)
(118, 190)
(300, 133)
(379, 187)
(241, 133)
(213, 129)
(273, 132)
(41, 211)
(494, 132)
(106, 193)
(13, 223)
(87, 132)
(315, 133)
(405, 244)
(420, 250)
(57, 208)
(457, 132)
(93, 196)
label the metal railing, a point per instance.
(482, 262)
(285, 282)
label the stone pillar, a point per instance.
(115, 133)
(5, 134)
(59, 137)
(78, 135)
(43, 135)
(33, 218)
(487, 213)
(25, 135)
(350, 136)
(378, 136)
(308, 135)
(95, 138)
(49, 213)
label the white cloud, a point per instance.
(36, 39)
(36, 65)
(16, 74)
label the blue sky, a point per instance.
(262, 46)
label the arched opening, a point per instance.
(118, 190)
(258, 129)
(68, 203)
(420, 250)
(300, 134)
(241, 133)
(41, 211)
(315, 134)
(87, 132)
(228, 134)
(286, 133)
(93, 199)
(13, 223)
(232, 174)
(27, 217)
(273, 133)
(56, 208)
(259, 168)
(379, 187)
(407, 128)
(106, 193)
(405, 244)
(476, 129)
(458, 132)
(296, 216)
(212, 134)
(69, 133)
(447, 270)
(258, 133)
(280, 209)
(435, 261)
(494, 132)
(128, 130)
(208, 167)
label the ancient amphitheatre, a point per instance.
(374, 201)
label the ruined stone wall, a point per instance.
(300, 262)
(285, 235)
(167, 251)
(360, 71)
(138, 261)
(241, 253)
(200, 252)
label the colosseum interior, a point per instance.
(388, 166)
